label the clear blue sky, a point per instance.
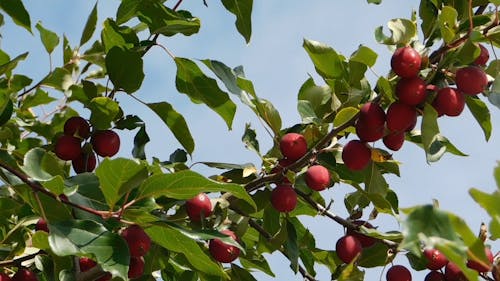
(278, 65)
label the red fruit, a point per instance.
(317, 177)
(453, 272)
(398, 273)
(372, 115)
(68, 147)
(293, 146)
(223, 252)
(77, 126)
(449, 101)
(86, 162)
(405, 62)
(24, 275)
(483, 57)
(480, 266)
(4, 277)
(138, 241)
(471, 80)
(86, 264)
(436, 259)
(106, 277)
(434, 276)
(366, 241)
(136, 267)
(411, 91)
(348, 248)
(356, 155)
(198, 207)
(401, 117)
(368, 134)
(41, 225)
(282, 163)
(284, 198)
(394, 141)
(105, 143)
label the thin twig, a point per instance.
(19, 260)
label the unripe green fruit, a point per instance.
(199, 206)
(406, 62)
(223, 252)
(293, 146)
(471, 80)
(284, 198)
(68, 147)
(411, 91)
(348, 248)
(356, 155)
(317, 177)
(138, 241)
(398, 273)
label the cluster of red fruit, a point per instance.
(293, 146)
(69, 147)
(412, 91)
(138, 243)
(200, 207)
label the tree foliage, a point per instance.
(87, 205)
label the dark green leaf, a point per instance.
(172, 240)
(291, 247)
(240, 274)
(374, 1)
(327, 61)
(482, 114)
(119, 176)
(242, 9)
(307, 113)
(270, 115)
(161, 19)
(103, 112)
(127, 78)
(374, 256)
(50, 39)
(90, 26)
(84, 237)
(175, 122)
(8, 66)
(16, 10)
(258, 263)
(193, 82)
(187, 184)
(6, 113)
(42, 166)
(112, 35)
(249, 138)
(140, 141)
(127, 10)
(428, 14)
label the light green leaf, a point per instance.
(307, 113)
(85, 237)
(327, 61)
(103, 112)
(344, 115)
(38, 98)
(365, 56)
(10, 65)
(49, 39)
(494, 93)
(127, 78)
(242, 9)
(161, 19)
(482, 114)
(119, 176)
(403, 31)
(249, 138)
(187, 184)
(59, 79)
(16, 10)
(200, 88)
(448, 23)
(175, 122)
(90, 26)
(430, 132)
(41, 165)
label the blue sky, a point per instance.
(277, 64)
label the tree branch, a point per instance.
(19, 260)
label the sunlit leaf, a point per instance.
(242, 9)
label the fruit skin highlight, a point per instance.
(223, 252)
(293, 146)
(436, 259)
(105, 143)
(356, 155)
(317, 177)
(449, 101)
(284, 198)
(198, 205)
(406, 61)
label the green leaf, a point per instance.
(119, 176)
(85, 237)
(430, 132)
(448, 23)
(41, 165)
(249, 138)
(374, 256)
(127, 10)
(344, 115)
(376, 2)
(240, 274)
(163, 20)
(114, 36)
(175, 122)
(127, 78)
(7, 111)
(187, 184)
(258, 263)
(403, 31)
(8, 66)
(351, 273)
(200, 88)
(16, 10)
(489, 202)
(327, 61)
(172, 240)
(365, 56)
(482, 114)
(140, 141)
(90, 26)
(40, 97)
(103, 112)
(493, 95)
(428, 14)
(307, 113)
(59, 79)
(242, 9)
(291, 246)
(270, 115)
(50, 40)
